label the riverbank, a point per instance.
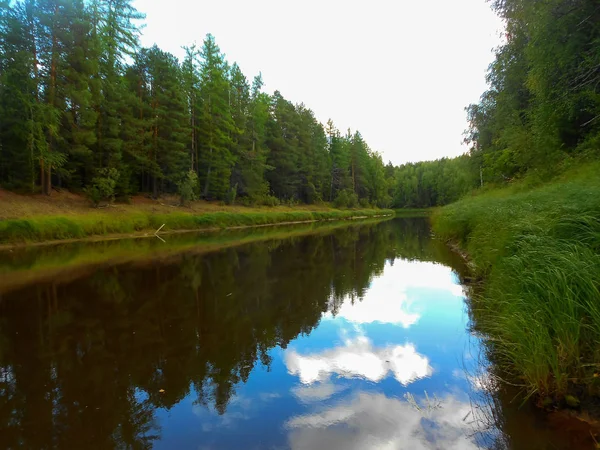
(537, 252)
(34, 219)
(32, 264)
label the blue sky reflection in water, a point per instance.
(358, 380)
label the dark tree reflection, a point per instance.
(85, 363)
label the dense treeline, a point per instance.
(84, 107)
(433, 183)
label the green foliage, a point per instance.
(103, 186)
(539, 253)
(79, 96)
(543, 104)
(433, 183)
(270, 200)
(230, 199)
(346, 199)
(188, 187)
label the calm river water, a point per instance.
(351, 337)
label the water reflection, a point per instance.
(379, 422)
(359, 358)
(300, 342)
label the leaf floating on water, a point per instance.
(162, 391)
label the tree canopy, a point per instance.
(85, 108)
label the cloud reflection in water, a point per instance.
(374, 421)
(358, 358)
(388, 299)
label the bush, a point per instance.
(245, 201)
(311, 194)
(346, 199)
(341, 200)
(270, 200)
(188, 188)
(103, 186)
(230, 197)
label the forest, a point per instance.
(85, 108)
(542, 108)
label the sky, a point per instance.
(401, 72)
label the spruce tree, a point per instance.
(216, 125)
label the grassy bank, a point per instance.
(31, 264)
(49, 228)
(537, 251)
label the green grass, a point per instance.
(538, 253)
(40, 229)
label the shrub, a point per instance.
(270, 200)
(341, 200)
(188, 187)
(230, 197)
(103, 186)
(311, 193)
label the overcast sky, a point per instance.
(400, 72)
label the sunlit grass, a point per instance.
(538, 253)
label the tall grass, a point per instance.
(39, 229)
(538, 253)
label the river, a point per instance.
(339, 337)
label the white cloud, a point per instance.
(374, 421)
(358, 358)
(388, 300)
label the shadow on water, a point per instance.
(94, 358)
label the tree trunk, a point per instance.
(52, 99)
(42, 175)
(207, 182)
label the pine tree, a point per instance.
(115, 34)
(216, 124)
(170, 124)
(191, 86)
(21, 136)
(79, 122)
(241, 137)
(282, 141)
